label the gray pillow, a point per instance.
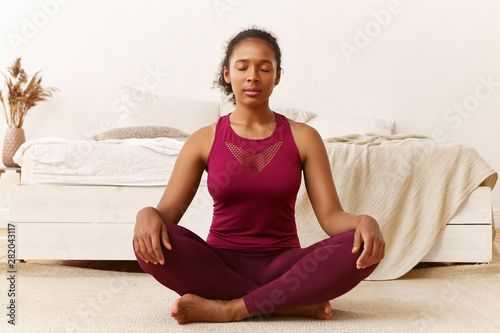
(140, 132)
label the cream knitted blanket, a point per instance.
(410, 184)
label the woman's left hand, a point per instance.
(368, 233)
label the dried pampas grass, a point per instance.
(21, 94)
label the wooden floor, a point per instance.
(120, 265)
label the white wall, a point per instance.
(419, 60)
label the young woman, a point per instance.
(251, 263)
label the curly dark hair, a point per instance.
(253, 32)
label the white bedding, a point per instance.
(132, 162)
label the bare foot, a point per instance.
(321, 311)
(191, 308)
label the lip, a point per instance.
(252, 91)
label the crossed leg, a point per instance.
(316, 274)
(214, 287)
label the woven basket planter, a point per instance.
(14, 138)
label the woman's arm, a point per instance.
(185, 178)
(325, 201)
(150, 229)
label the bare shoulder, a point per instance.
(305, 136)
(202, 134)
(200, 142)
(303, 130)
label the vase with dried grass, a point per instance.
(20, 94)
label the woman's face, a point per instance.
(252, 72)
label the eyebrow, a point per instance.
(247, 60)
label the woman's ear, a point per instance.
(226, 76)
(278, 77)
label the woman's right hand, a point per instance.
(149, 232)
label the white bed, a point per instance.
(96, 222)
(128, 162)
(62, 213)
(67, 208)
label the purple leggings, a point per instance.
(267, 282)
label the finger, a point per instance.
(374, 257)
(137, 250)
(151, 248)
(144, 252)
(156, 245)
(365, 255)
(382, 250)
(357, 242)
(377, 254)
(165, 239)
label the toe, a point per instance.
(175, 307)
(174, 313)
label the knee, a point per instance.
(346, 242)
(178, 236)
(148, 265)
(338, 248)
(340, 243)
(176, 231)
(347, 237)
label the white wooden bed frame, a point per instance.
(64, 222)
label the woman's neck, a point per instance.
(260, 115)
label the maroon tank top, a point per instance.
(254, 184)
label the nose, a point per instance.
(253, 76)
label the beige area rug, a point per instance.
(57, 298)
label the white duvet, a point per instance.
(133, 162)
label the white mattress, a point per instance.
(132, 162)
